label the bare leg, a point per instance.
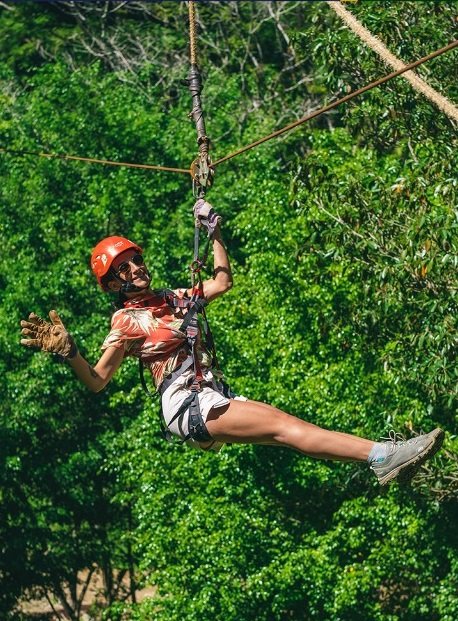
(258, 423)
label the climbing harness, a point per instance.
(196, 426)
(190, 327)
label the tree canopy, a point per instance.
(343, 240)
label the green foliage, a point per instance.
(343, 239)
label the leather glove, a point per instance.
(206, 216)
(52, 337)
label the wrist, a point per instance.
(217, 232)
(73, 351)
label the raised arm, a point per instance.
(54, 338)
(222, 275)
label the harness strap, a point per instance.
(169, 379)
(196, 427)
(165, 432)
(197, 307)
(173, 300)
(183, 407)
(190, 326)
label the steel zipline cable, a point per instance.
(258, 142)
(92, 160)
(336, 103)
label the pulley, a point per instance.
(202, 174)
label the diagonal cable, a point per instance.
(336, 103)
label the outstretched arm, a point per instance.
(54, 338)
(98, 376)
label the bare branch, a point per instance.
(50, 602)
(84, 589)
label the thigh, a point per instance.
(247, 422)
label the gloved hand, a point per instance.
(206, 216)
(52, 337)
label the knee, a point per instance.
(273, 423)
(289, 429)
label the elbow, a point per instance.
(225, 285)
(225, 282)
(222, 277)
(97, 387)
(216, 287)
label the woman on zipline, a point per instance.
(196, 406)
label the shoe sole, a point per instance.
(405, 472)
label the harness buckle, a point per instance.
(191, 333)
(196, 385)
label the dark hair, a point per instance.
(105, 280)
(118, 301)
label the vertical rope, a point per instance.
(201, 171)
(390, 59)
(192, 32)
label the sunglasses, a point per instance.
(124, 267)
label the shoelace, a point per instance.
(395, 438)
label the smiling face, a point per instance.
(130, 267)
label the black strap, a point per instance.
(172, 299)
(169, 379)
(165, 431)
(197, 307)
(197, 428)
(183, 407)
(154, 394)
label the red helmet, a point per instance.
(105, 252)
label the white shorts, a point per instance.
(209, 397)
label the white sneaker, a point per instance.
(404, 457)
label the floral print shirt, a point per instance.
(149, 328)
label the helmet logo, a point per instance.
(103, 258)
(119, 243)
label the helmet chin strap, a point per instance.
(129, 287)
